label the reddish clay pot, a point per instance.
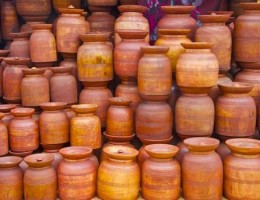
(12, 78)
(3, 54)
(22, 164)
(20, 47)
(34, 88)
(11, 180)
(63, 85)
(40, 179)
(54, 124)
(202, 169)
(85, 128)
(235, 6)
(6, 109)
(57, 4)
(178, 17)
(3, 136)
(124, 173)
(76, 174)
(161, 174)
(23, 131)
(242, 169)
(102, 2)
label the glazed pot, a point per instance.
(3, 136)
(202, 169)
(102, 2)
(161, 174)
(85, 128)
(40, 179)
(124, 173)
(57, 4)
(241, 169)
(6, 109)
(34, 88)
(235, 111)
(154, 74)
(76, 174)
(3, 54)
(20, 47)
(23, 131)
(54, 124)
(131, 18)
(11, 180)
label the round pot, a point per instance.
(3, 137)
(6, 109)
(20, 46)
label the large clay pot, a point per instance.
(102, 2)
(161, 174)
(57, 4)
(6, 109)
(40, 179)
(235, 6)
(20, 47)
(76, 174)
(202, 170)
(124, 173)
(42, 45)
(11, 180)
(12, 78)
(131, 18)
(235, 111)
(63, 85)
(23, 130)
(178, 17)
(3, 54)
(3, 137)
(242, 169)
(54, 124)
(34, 88)
(85, 128)
(154, 74)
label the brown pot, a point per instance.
(63, 85)
(22, 164)
(34, 88)
(123, 172)
(6, 109)
(3, 136)
(102, 2)
(40, 179)
(161, 174)
(202, 170)
(20, 47)
(85, 128)
(23, 131)
(57, 4)
(235, 6)
(178, 17)
(3, 54)
(11, 180)
(76, 174)
(242, 169)
(235, 111)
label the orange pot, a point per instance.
(20, 47)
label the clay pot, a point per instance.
(57, 4)
(6, 109)
(3, 53)
(241, 169)
(161, 174)
(63, 85)
(54, 124)
(131, 18)
(128, 52)
(215, 31)
(34, 87)
(23, 130)
(42, 45)
(76, 174)
(154, 74)
(40, 179)
(11, 180)
(20, 47)
(70, 60)
(85, 128)
(235, 111)
(12, 78)
(3, 137)
(202, 169)
(124, 173)
(178, 17)
(102, 2)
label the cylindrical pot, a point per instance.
(6, 109)
(20, 47)
(3, 137)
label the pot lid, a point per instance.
(121, 153)
(201, 144)
(39, 160)
(244, 146)
(235, 87)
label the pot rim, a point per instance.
(95, 37)
(161, 151)
(119, 101)
(155, 49)
(220, 18)
(17, 60)
(235, 87)
(121, 153)
(250, 6)
(70, 10)
(41, 26)
(175, 31)
(221, 12)
(244, 146)
(33, 71)
(177, 9)
(115, 138)
(21, 35)
(10, 161)
(84, 108)
(22, 112)
(39, 160)
(52, 106)
(148, 142)
(76, 152)
(61, 69)
(20, 154)
(197, 45)
(201, 144)
(132, 8)
(132, 34)
(4, 53)
(6, 108)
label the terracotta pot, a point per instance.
(63, 85)
(20, 47)
(11, 180)
(23, 131)
(12, 78)
(42, 45)
(3, 53)
(223, 151)
(161, 174)
(85, 128)
(154, 74)
(235, 6)
(76, 174)
(102, 2)
(6, 109)
(27, 26)
(202, 169)
(124, 173)
(235, 111)
(178, 17)
(3, 136)
(241, 169)
(22, 164)
(54, 124)
(131, 18)
(57, 4)
(215, 31)
(40, 179)
(151, 127)
(9, 19)
(34, 88)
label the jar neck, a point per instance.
(96, 42)
(132, 40)
(161, 160)
(154, 55)
(214, 23)
(236, 95)
(195, 95)
(202, 152)
(85, 114)
(70, 15)
(40, 168)
(52, 111)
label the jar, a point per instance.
(6, 109)
(20, 47)
(3, 137)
